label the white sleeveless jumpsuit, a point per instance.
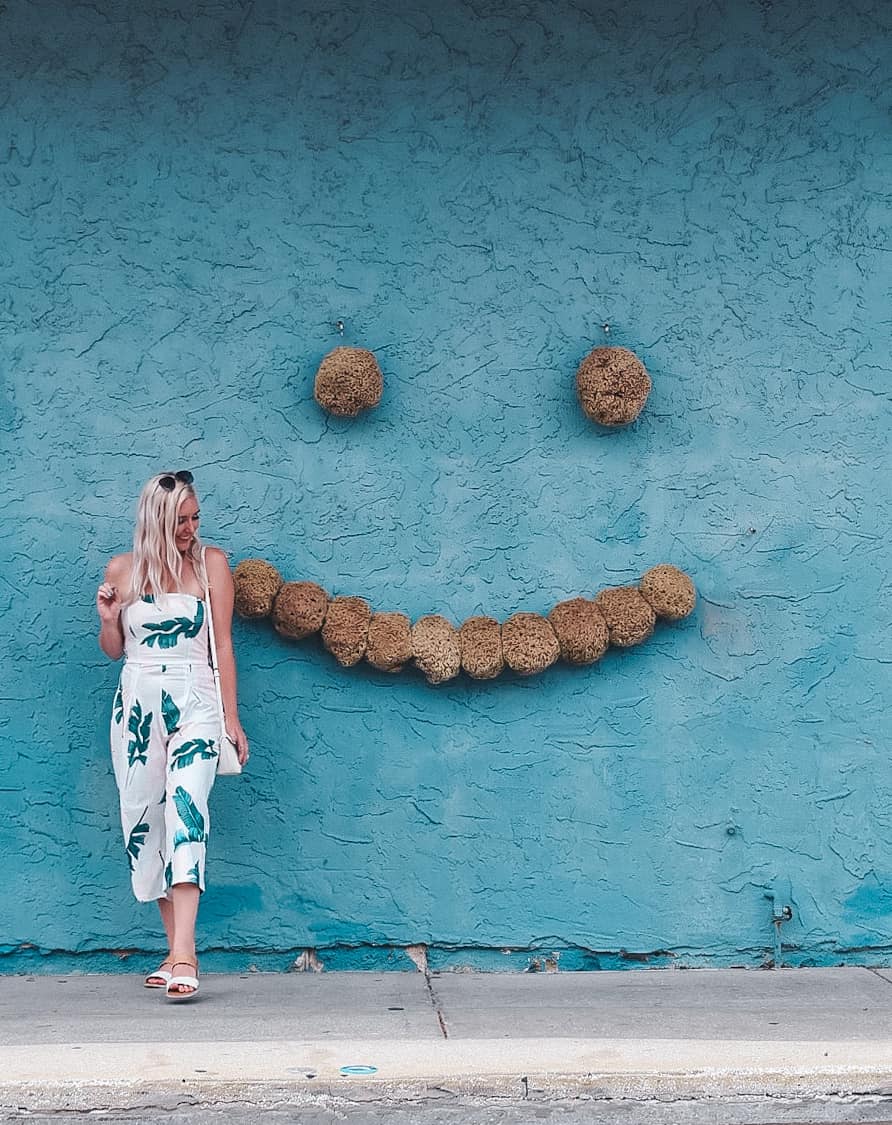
(164, 731)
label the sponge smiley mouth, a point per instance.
(579, 630)
(612, 386)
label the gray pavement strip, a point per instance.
(818, 1004)
(580, 1046)
(833, 1004)
(179, 1107)
(246, 1007)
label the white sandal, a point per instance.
(177, 982)
(160, 977)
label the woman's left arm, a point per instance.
(222, 596)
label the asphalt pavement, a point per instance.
(817, 1042)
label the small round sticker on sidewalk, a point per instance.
(359, 1070)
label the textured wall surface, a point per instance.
(193, 194)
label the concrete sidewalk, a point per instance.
(638, 1034)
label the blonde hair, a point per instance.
(157, 563)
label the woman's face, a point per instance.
(187, 522)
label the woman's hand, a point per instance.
(108, 604)
(238, 736)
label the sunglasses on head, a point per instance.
(170, 481)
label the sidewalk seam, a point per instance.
(417, 954)
(441, 1019)
(435, 1003)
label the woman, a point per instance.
(165, 718)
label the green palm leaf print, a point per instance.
(192, 875)
(167, 633)
(193, 821)
(136, 839)
(170, 713)
(118, 706)
(140, 727)
(185, 755)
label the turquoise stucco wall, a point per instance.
(193, 194)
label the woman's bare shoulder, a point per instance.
(118, 570)
(216, 559)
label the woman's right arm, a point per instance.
(108, 606)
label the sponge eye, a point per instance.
(612, 385)
(348, 381)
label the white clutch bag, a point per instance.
(227, 756)
(227, 751)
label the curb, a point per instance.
(83, 1076)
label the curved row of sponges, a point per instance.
(579, 630)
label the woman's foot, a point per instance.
(160, 977)
(183, 981)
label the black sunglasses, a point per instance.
(169, 482)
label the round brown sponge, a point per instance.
(529, 644)
(669, 591)
(390, 641)
(612, 385)
(480, 639)
(581, 630)
(256, 585)
(436, 648)
(629, 617)
(346, 629)
(299, 609)
(348, 380)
